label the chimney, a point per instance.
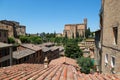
(45, 62)
(64, 59)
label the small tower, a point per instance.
(85, 22)
(45, 62)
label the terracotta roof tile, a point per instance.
(62, 71)
(64, 60)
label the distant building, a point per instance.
(59, 35)
(5, 54)
(110, 36)
(14, 28)
(3, 35)
(87, 47)
(75, 30)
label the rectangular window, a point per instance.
(0, 64)
(115, 32)
(0, 34)
(5, 34)
(4, 52)
(113, 62)
(5, 63)
(106, 58)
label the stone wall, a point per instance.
(111, 19)
(9, 28)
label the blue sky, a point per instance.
(50, 15)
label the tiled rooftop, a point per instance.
(45, 49)
(2, 45)
(63, 71)
(31, 46)
(22, 53)
(48, 44)
(62, 60)
(54, 48)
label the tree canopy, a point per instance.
(72, 49)
(31, 39)
(11, 40)
(86, 64)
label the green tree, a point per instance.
(54, 35)
(72, 50)
(66, 36)
(37, 41)
(86, 64)
(11, 40)
(25, 39)
(87, 33)
(64, 41)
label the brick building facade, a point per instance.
(75, 30)
(110, 34)
(14, 28)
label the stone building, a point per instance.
(14, 28)
(27, 53)
(50, 51)
(75, 30)
(23, 56)
(33, 52)
(3, 35)
(5, 54)
(110, 34)
(7, 27)
(30, 53)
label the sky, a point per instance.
(50, 15)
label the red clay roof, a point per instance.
(61, 71)
(62, 60)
